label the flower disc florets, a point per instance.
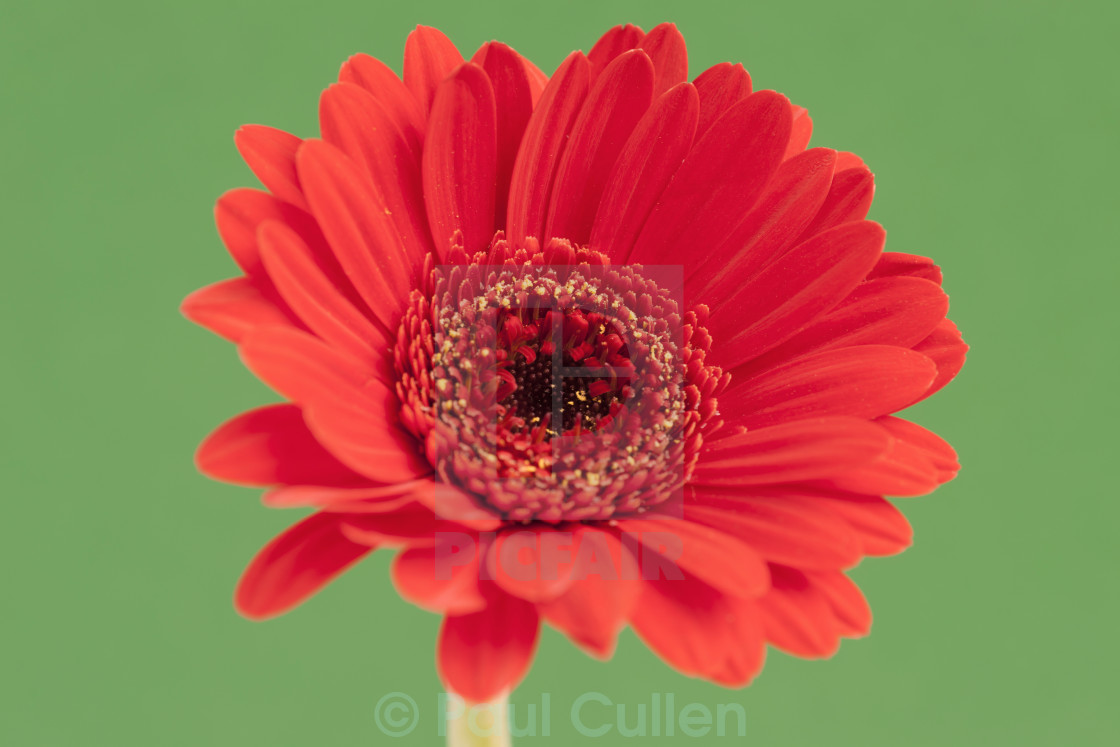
(552, 386)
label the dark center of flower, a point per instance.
(561, 368)
(551, 386)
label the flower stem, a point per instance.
(480, 725)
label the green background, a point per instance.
(992, 130)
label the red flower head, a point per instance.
(595, 349)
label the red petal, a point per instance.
(295, 565)
(233, 307)
(780, 529)
(460, 160)
(304, 368)
(350, 412)
(800, 133)
(879, 527)
(648, 161)
(449, 501)
(240, 212)
(720, 87)
(270, 446)
(865, 382)
(271, 154)
(378, 80)
(790, 293)
(713, 556)
(665, 46)
(484, 654)
(940, 454)
(611, 44)
(412, 525)
(375, 446)
(846, 160)
(947, 349)
(537, 80)
(849, 608)
(619, 98)
(533, 564)
(849, 199)
(365, 499)
(898, 264)
(797, 617)
(595, 607)
(766, 232)
(513, 97)
(430, 578)
(308, 289)
(542, 147)
(897, 311)
(904, 470)
(802, 450)
(701, 632)
(720, 179)
(353, 218)
(354, 122)
(420, 523)
(429, 57)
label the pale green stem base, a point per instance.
(482, 725)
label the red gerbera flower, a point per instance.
(602, 348)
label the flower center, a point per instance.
(561, 368)
(551, 386)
